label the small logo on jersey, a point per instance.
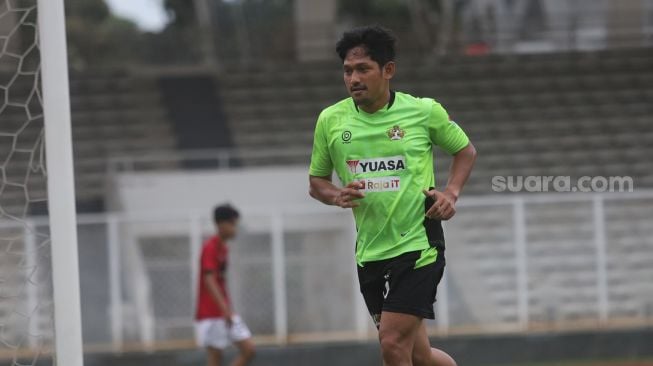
(396, 133)
(346, 136)
(389, 164)
(381, 184)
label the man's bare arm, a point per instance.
(460, 169)
(326, 192)
(322, 189)
(444, 207)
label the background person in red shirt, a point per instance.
(216, 323)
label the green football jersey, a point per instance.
(390, 151)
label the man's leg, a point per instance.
(397, 334)
(214, 356)
(425, 355)
(246, 352)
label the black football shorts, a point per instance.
(395, 285)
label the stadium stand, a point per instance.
(112, 113)
(553, 114)
(558, 114)
(196, 111)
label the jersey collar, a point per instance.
(391, 101)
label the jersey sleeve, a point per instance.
(445, 133)
(321, 164)
(209, 261)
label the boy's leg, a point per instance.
(246, 352)
(214, 356)
(211, 334)
(241, 337)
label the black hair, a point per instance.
(378, 42)
(225, 212)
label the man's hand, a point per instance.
(444, 207)
(348, 195)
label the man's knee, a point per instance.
(421, 358)
(394, 346)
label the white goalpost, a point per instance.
(60, 183)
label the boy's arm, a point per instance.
(214, 289)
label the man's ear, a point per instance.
(389, 70)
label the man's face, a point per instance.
(365, 80)
(228, 229)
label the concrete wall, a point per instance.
(270, 188)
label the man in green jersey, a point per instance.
(379, 142)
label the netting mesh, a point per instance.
(26, 306)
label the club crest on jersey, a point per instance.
(391, 163)
(396, 133)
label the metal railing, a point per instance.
(292, 274)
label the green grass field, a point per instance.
(648, 362)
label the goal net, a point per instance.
(27, 305)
